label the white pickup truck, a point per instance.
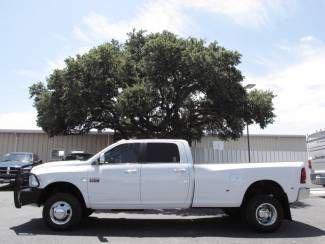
(160, 174)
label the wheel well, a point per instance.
(64, 187)
(269, 187)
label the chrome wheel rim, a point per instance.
(266, 214)
(60, 212)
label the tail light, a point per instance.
(303, 176)
(309, 164)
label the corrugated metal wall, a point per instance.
(263, 149)
(42, 144)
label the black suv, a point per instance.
(13, 161)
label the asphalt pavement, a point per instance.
(197, 226)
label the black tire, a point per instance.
(87, 212)
(74, 215)
(232, 212)
(273, 208)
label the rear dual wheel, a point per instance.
(264, 213)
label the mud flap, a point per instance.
(286, 208)
(17, 199)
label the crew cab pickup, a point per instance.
(160, 174)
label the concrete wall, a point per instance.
(41, 143)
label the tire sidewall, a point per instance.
(251, 213)
(76, 211)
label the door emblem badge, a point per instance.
(94, 180)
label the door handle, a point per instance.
(179, 170)
(129, 171)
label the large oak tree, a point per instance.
(151, 86)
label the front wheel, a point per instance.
(62, 211)
(264, 213)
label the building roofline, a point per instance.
(38, 131)
(110, 132)
(276, 135)
(272, 135)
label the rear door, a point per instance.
(165, 176)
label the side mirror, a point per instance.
(101, 159)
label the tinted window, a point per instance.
(162, 153)
(125, 153)
(78, 156)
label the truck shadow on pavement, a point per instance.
(298, 205)
(224, 226)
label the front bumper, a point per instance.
(27, 196)
(23, 194)
(7, 180)
(303, 193)
(318, 178)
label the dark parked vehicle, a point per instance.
(78, 155)
(13, 161)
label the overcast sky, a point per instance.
(282, 43)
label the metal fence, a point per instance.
(209, 155)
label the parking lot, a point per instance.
(199, 226)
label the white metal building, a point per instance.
(264, 148)
(39, 142)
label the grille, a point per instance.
(4, 172)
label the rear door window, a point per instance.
(161, 153)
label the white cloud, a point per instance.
(300, 89)
(18, 120)
(60, 38)
(52, 64)
(57, 63)
(77, 33)
(248, 13)
(155, 16)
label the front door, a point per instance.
(115, 184)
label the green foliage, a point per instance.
(260, 108)
(152, 86)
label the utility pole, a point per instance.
(248, 86)
(248, 145)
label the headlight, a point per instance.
(27, 170)
(33, 181)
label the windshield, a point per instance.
(18, 157)
(78, 156)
